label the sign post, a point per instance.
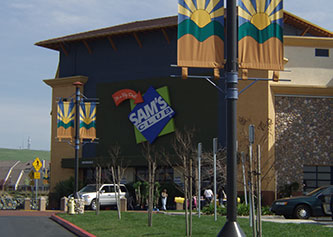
(252, 206)
(199, 178)
(215, 191)
(37, 164)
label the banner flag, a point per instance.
(65, 119)
(88, 120)
(260, 34)
(201, 33)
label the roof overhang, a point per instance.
(301, 41)
(65, 81)
(161, 24)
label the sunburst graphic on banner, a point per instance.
(260, 34)
(201, 33)
(261, 13)
(65, 114)
(87, 115)
(201, 12)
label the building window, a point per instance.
(317, 176)
(162, 174)
(322, 53)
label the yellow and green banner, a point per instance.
(201, 33)
(65, 119)
(88, 120)
(260, 34)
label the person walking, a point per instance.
(164, 196)
(208, 193)
(222, 197)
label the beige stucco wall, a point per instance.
(303, 67)
(253, 108)
(60, 88)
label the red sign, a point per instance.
(126, 94)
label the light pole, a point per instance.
(77, 137)
(231, 227)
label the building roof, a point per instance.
(137, 26)
(161, 24)
(307, 26)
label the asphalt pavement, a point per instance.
(28, 224)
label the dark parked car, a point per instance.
(315, 203)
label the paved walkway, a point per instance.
(326, 221)
(27, 213)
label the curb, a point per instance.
(73, 228)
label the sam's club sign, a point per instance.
(153, 117)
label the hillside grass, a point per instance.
(23, 155)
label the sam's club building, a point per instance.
(293, 120)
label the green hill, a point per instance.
(23, 155)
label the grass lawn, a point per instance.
(135, 224)
(23, 155)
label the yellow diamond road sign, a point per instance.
(37, 164)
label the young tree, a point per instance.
(263, 129)
(98, 175)
(137, 190)
(184, 149)
(117, 171)
(151, 156)
(207, 167)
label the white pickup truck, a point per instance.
(107, 195)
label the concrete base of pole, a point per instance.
(63, 204)
(231, 229)
(27, 203)
(123, 204)
(42, 204)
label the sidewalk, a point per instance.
(27, 213)
(326, 221)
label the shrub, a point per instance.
(265, 210)
(209, 210)
(63, 188)
(242, 210)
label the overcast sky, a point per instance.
(25, 100)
